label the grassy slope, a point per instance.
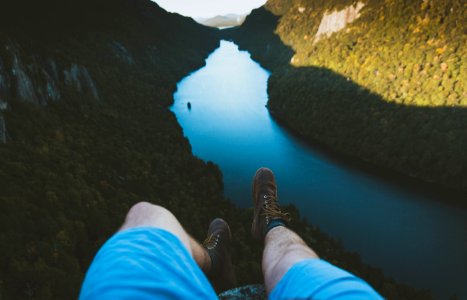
(70, 171)
(389, 89)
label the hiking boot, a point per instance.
(217, 244)
(266, 206)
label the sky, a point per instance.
(209, 8)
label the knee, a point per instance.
(140, 206)
(297, 252)
(291, 254)
(143, 206)
(146, 207)
(142, 212)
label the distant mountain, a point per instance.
(229, 20)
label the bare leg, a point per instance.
(283, 248)
(147, 214)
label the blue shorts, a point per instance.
(318, 279)
(151, 263)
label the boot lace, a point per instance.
(211, 241)
(271, 209)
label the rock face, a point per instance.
(79, 78)
(122, 53)
(338, 20)
(24, 86)
(39, 81)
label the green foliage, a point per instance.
(70, 171)
(388, 89)
(407, 52)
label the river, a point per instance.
(412, 236)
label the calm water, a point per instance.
(413, 238)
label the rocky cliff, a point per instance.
(337, 20)
(38, 82)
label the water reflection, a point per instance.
(417, 240)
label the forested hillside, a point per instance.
(84, 91)
(75, 159)
(383, 81)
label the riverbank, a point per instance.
(229, 125)
(313, 92)
(71, 169)
(432, 190)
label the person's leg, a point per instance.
(145, 214)
(151, 256)
(291, 269)
(212, 257)
(283, 248)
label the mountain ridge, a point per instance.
(219, 21)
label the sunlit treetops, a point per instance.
(412, 53)
(389, 88)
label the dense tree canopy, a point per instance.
(388, 89)
(70, 171)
